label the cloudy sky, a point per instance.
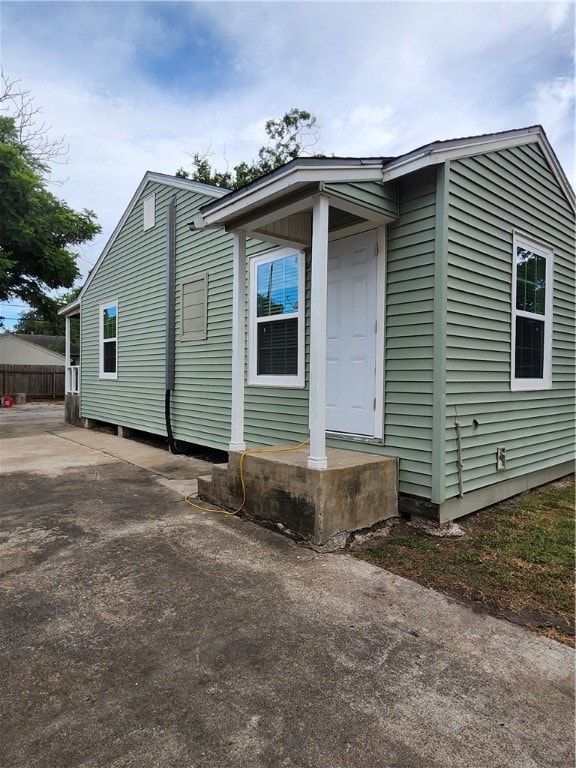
(135, 86)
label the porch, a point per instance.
(308, 206)
(327, 218)
(71, 314)
(278, 486)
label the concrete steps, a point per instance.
(354, 492)
(216, 488)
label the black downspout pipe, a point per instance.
(170, 321)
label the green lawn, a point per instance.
(516, 559)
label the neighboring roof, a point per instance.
(33, 346)
(318, 169)
(47, 342)
(161, 178)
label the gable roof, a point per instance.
(296, 174)
(317, 170)
(453, 149)
(160, 178)
(41, 340)
(35, 341)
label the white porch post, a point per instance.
(68, 378)
(238, 335)
(317, 457)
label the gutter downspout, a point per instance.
(169, 382)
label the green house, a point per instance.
(411, 317)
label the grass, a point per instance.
(515, 561)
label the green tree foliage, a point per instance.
(289, 137)
(37, 230)
(47, 321)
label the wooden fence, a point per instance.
(35, 381)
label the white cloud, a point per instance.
(366, 130)
(558, 13)
(134, 86)
(554, 106)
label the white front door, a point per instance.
(351, 335)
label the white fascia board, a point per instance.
(190, 186)
(279, 184)
(356, 209)
(117, 229)
(70, 309)
(558, 172)
(481, 145)
(307, 203)
(159, 178)
(433, 154)
(466, 148)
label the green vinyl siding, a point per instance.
(371, 195)
(409, 344)
(447, 326)
(134, 273)
(409, 337)
(275, 416)
(491, 196)
(202, 391)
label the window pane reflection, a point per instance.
(530, 282)
(277, 287)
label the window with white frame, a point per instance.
(276, 323)
(109, 340)
(532, 277)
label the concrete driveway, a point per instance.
(137, 631)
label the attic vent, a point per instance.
(149, 212)
(194, 308)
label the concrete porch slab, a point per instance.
(323, 506)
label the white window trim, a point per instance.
(297, 381)
(101, 309)
(516, 384)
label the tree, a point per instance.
(290, 136)
(19, 104)
(47, 321)
(36, 228)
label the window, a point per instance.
(108, 340)
(149, 212)
(531, 315)
(194, 308)
(276, 355)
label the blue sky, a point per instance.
(135, 86)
